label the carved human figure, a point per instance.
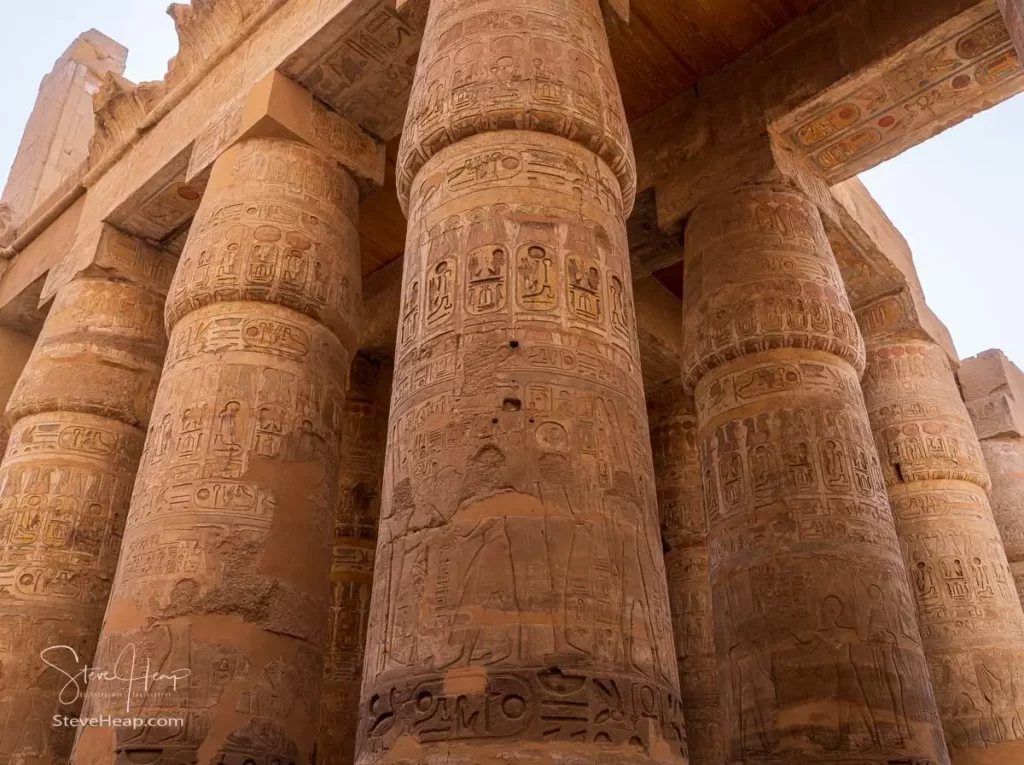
(969, 613)
(803, 553)
(228, 546)
(684, 537)
(78, 414)
(520, 605)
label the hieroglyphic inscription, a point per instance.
(519, 588)
(968, 610)
(1005, 460)
(79, 412)
(677, 475)
(543, 66)
(360, 474)
(227, 547)
(818, 655)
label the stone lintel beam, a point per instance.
(105, 251)
(276, 107)
(993, 388)
(825, 87)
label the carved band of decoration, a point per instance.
(968, 609)
(519, 590)
(818, 660)
(537, 65)
(677, 475)
(1005, 460)
(363, 444)
(227, 548)
(120, 106)
(78, 411)
(787, 293)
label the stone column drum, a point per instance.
(520, 611)
(15, 349)
(78, 417)
(968, 611)
(1004, 457)
(363, 442)
(818, 660)
(225, 571)
(684, 534)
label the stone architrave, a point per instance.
(15, 350)
(225, 571)
(361, 473)
(993, 388)
(78, 419)
(520, 609)
(967, 607)
(684, 534)
(819, 659)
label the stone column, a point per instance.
(1013, 12)
(363, 441)
(993, 388)
(520, 611)
(819, 659)
(78, 416)
(684, 535)
(225, 571)
(967, 608)
(15, 349)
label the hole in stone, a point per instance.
(513, 344)
(532, 421)
(494, 421)
(899, 473)
(512, 405)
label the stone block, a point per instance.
(993, 387)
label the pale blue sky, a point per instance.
(958, 198)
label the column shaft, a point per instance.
(1004, 457)
(78, 417)
(227, 552)
(684, 534)
(520, 610)
(819, 659)
(968, 610)
(361, 473)
(15, 349)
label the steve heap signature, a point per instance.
(132, 674)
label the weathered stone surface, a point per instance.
(78, 416)
(684, 534)
(967, 607)
(227, 548)
(993, 388)
(15, 349)
(1013, 14)
(819, 659)
(520, 611)
(361, 472)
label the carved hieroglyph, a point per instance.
(684, 532)
(78, 418)
(968, 611)
(1005, 460)
(227, 548)
(819, 659)
(520, 610)
(361, 471)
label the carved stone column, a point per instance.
(15, 349)
(967, 607)
(819, 659)
(363, 441)
(78, 416)
(226, 565)
(520, 611)
(684, 534)
(993, 388)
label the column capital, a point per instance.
(276, 107)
